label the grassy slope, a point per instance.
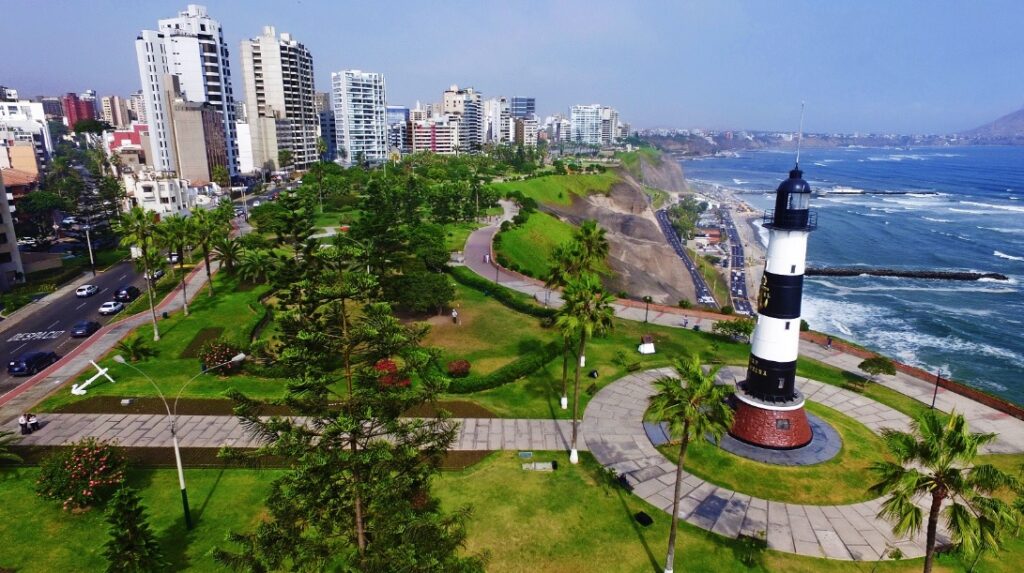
(559, 189)
(529, 247)
(229, 307)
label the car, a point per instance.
(29, 363)
(127, 293)
(84, 328)
(111, 307)
(86, 291)
(154, 274)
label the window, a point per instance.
(781, 424)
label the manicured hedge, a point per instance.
(525, 365)
(505, 296)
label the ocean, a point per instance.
(959, 208)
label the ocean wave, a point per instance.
(1003, 230)
(1013, 208)
(1003, 255)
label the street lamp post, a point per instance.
(172, 413)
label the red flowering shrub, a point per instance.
(388, 376)
(82, 475)
(218, 352)
(458, 368)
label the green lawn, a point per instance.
(237, 308)
(528, 248)
(456, 234)
(841, 480)
(39, 536)
(573, 520)
(559, 189)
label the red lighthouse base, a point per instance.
(780, 427)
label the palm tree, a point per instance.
(207, 227)
(936, 459)
(587, 312)
(592, 243)
(7, 439)
(227, 251)
(694, 407)
(174, 233)
(138, 230)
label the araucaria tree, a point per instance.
(358, 495)
(132, 548)
(694, 407)
(936, 460)
(587, 312)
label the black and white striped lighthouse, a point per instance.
(769, 408)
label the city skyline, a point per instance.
(861, 68)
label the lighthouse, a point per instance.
(769, 408)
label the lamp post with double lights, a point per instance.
(172, 412)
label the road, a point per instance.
(47, 328)
(737, 268)
(700, 286)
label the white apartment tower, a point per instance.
(190, 46)
(279, 95)
(360, 116)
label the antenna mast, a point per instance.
(800, 135)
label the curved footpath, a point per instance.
(613, 429)
(982, 418)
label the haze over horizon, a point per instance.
(915, 67)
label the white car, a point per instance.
(111, 307)
(85, 291)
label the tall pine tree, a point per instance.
(132, 547)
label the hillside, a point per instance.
(1009, 128)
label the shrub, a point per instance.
(218, 352)
(82, 475)
(525, 365)
(507, 297)
(458, 368)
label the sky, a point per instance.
(867, 66)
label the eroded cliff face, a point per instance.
(642, 261)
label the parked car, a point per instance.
(84, 328)
(111, 307)
(154, 274)
(86, 291)
(127, 293)
(31, 362)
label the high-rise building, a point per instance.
(360, 116)
(328, 128)
(114, 111)
(497, 121)
(465, 107)
(279, 97)
(190, 47)
(523, 106)
(10, 257)
(77, 109)
(137, 105)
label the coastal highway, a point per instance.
(704, 295)
(737, 267)
(47, 328)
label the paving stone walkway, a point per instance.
(152, 431)
(613, 429)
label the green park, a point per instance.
(357, 373)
